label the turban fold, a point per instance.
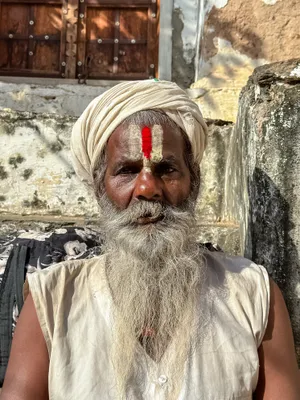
(107, 111)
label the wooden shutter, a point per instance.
(118, 39)
(84, 39)
(32, 38)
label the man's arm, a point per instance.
(278, 374)
(27, 372)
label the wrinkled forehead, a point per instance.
(148, 142)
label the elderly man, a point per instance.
(158, 316)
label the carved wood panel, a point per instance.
(83, 39)
(117, 39)
(31, 37)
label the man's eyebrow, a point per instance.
(169, 159)
(125, 161)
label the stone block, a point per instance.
(213, 167)
(264, 177)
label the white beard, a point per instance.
(155, 273)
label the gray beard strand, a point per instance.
(155, 273)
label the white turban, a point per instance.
(106, 112)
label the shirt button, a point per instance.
(162, 379)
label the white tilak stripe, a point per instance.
(134, 142)
(157, 143)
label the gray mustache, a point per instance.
(142, 209)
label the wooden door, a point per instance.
(118, 39)
(84, 39)
(32, 38)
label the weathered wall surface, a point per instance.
(185, 25)
(263, 187)
(37, 179)
(35, 169)
(60, 99)
(238, 36)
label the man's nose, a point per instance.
(148, 187)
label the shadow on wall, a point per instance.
(270, 229)
(247, 42)
(229, 64)
(229, 51)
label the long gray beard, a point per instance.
(155, 273)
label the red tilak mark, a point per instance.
(146, 142)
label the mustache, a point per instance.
(167, 216)
(144, 209)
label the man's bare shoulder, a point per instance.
(279, 375)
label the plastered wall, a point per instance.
(218, 43)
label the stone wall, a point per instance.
(35, 168)
(47, 95)
(38, 182)
(263, 169)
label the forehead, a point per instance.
(129, 141)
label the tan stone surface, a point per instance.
(256, 29)
(237, 38)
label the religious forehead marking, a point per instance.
(157, 143)
(134, 142)
(146, 142)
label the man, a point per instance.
(157, 316)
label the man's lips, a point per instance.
(149, 220)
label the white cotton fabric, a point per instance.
(75, 310)
(106, 112)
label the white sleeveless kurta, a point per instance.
(74, 308)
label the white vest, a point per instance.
(73, 304)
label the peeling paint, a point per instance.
(215, 3)
(15, 160)
(270, 2)
(183, 71)
(27, 173)
(3, 173)
(190, 19)
(296, 72)
(36, 202)
(41, 153)
(56, 147)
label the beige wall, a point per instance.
(238, 36)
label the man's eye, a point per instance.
(166, 169)
(169, 170)
(127, 171)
